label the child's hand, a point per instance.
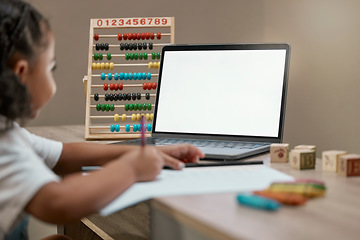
(184, 152)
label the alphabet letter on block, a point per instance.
(349, 165)
(279, 152)
(330, 160)
(302, 159)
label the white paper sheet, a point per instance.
(201, 180)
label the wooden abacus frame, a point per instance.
(92, 130)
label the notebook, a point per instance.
(228, 100)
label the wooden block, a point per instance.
(302, 159)
(349, 165)
(307, 147)
(330, 160)
(279, 152)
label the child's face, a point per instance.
(39, 79)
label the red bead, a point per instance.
(145, 86)
(111, 86)
(116, 86)
(138, 36)
(130, 36)
(143, 36)
(125, 36)
(158, 35)
(149, 86)
(154, 85)
(96, 36)
(121, 86)
(134, 36)
(105, 86)
(147, 35)
(152, 35)
(119, 36)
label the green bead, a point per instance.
(145, 56)
(140, 107)
(131, 107)
(108, 56)
(144, 106)
(153, 56)
(131, 56)
(112, 107)
(100, 56)
(135, 106)
(107, 107)
(126, 107)
(158, 55)
(127, 56)
(149, 106)
(136, 56)
(102, 107)
(140, 56)
(96, 56)
(98, 106)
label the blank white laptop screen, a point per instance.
(222, 92)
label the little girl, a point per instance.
(29, 164)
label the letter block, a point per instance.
(302, 159)
(330, 160)
(349, 165)
(279, 152)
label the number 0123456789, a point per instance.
(132, 22)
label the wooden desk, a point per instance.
(218, 216)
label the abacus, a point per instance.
(124, 58)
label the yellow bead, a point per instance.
(107, 65)
(147, 116)
(151, 65)
(111, 66)
(116, 117)
(98, 66)
(93, 66)
(102, 65)
(143, 114)
(133, 117)
(157, 65)
(123, 117)
(138, 117)
(151, 117)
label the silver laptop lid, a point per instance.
(232, 92)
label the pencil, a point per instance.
(143, 142)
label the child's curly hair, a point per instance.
(22, 31)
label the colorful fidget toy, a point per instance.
(305, 187)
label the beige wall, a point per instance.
(324, 83)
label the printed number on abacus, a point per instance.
(123, 22)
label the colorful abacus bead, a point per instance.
(123, 117)
(119, 36)
(127, 128)
(117, 128)
(149, 127)
(147, 96)
(112, 127)
(135, 127)
(158, 35)
(110, 76)
(152, 35)
(108, 56)
(125, 36)
(112, 107)
(98, 107)
(106, 86)
(158, 55)
(96, 37)
(96, 97)
(116, 117)
(133, 117)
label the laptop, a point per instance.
(228, 100)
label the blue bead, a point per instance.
(102, 76)
(135, 76)
(149, 127)
(144, 75)
(139, 75)
(116, 76)
(148, 75)
(110, 76)
(139, 127)
(126, 76)
(135, 128)
(127, 128)
(121, 76)
(112, 128)
(117, 128)
(130, 76)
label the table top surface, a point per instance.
(335, 216)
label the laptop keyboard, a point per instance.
(205, 143)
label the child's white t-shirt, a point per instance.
(26, 161)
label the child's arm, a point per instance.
(77, 196)
(76, 155)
